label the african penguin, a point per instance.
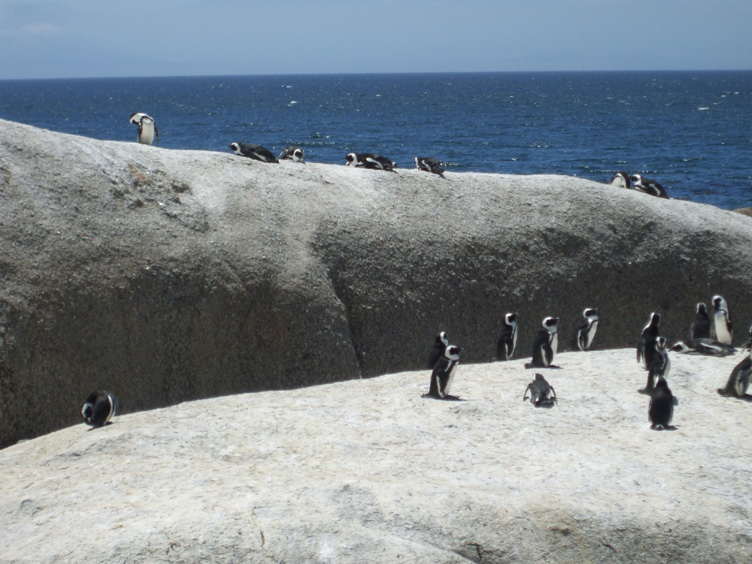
(147, 128)
(661, 407)
(646, 346)
(738, 382)
(292, 153)
(660, 366)
(429, 164)
(707, 347)
(256, 152)
(443, 374)
(545, 344)
(586, 332)
(439, 346)
(508, 339)
(99, 408)
(542, 394)
(370, 160)
(620, 180)
(701, 324)
(648, 186)
(724, 332)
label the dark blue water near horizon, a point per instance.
(689, 130)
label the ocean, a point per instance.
(690, 131)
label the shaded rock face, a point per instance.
(167, 275)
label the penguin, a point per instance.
(147, 128)
(738, 382)
(292, 153)
(99, 408)
(507, 341)
(707, 347)
(443, 374)
(429, 164)
(439, 346)
(546, 343)
(648, 186)
(620, 180)
(748, 345)
(370, 160)
(542, 394)
(586, 332)
(256, 152)
(701, 324)
(646, 346)
(724, 332)
(661, 407)
(660, 366)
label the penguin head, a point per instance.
(352, 159)
(452, 352)
(297, 154)
(135, 118)
(590, 312)
(510, 318)
(661, 383)
(549, 324)
(443, 338)
(701, 307)
(660, 343)
(636, 179)
(86, 411)
(719, 303)
(620, 179)
(655, 319)
(235, 148)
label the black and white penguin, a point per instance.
(660, 366)
(738, 382)
(507, 341)
(701, 324)
(256, 152)
(586, 332)
(545, 344)
(371, 160)
(646, 346)
(707, 347)
(293, 153)
(147, 128)
(648, 186)
(620, 180)
(724, 332)
(661, 407)
(429, 164)
(443, 374)
(439, 346)
(99, 408)
(542, 394)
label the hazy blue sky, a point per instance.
(79, 38)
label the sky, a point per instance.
(120, 38)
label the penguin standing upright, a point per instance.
(443, 374)
(661, 407)
(507, 341)
(646, 346)
(545, 344)
(147, 128)
(660, 366)
(99, 408)
(701, 324)
(586, 332)
(542, 394)
(439, 346)
(724, 332)
(738, 381)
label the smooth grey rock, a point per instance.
(369, 471)
(167, 275)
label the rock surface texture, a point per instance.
(167, 276)
(369, 471)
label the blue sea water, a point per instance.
(690, 131)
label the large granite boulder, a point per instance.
(368, 471)
(170, 275)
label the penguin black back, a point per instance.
(507, 341)
(99, 408)
(701, 323)
(542, 394)
(661, 407)
(646, 346)
(429, 164)
(439, 346)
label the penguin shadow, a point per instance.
(95, 427)
(445, 398)
(745, 397)
(530, 365)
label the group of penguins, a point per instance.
(652, 355)
(148, 133)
